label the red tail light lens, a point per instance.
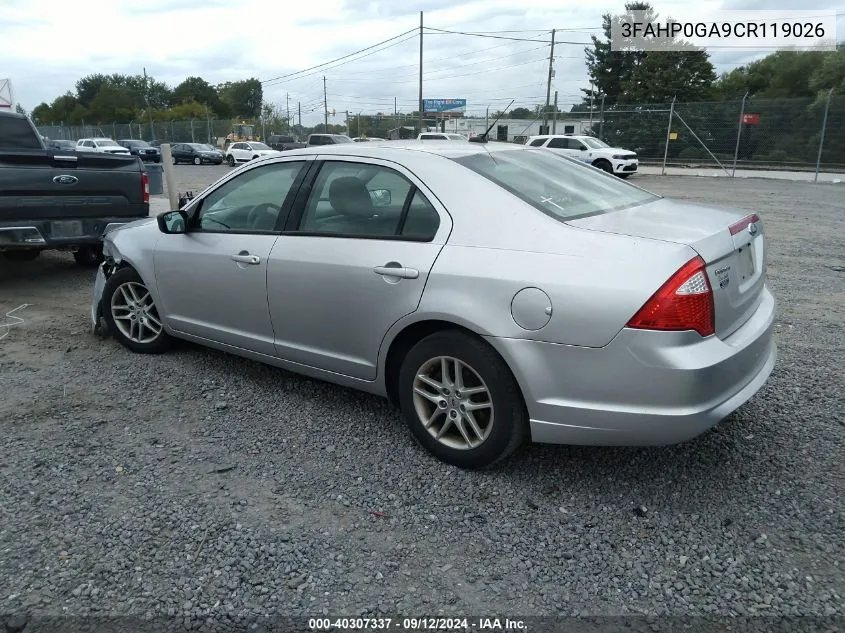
(685, 302)
(145, 186)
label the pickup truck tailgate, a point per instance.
(35, 185)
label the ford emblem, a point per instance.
(752, 229)
(65, 180)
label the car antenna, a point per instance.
(483, 137)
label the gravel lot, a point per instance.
(196, 484)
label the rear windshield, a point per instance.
(16, 133)
(341, 139)
(560, 187)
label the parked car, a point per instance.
(246, 151)
(541, 298)
(100, 146)
(590, 150)
(60, 145)
(283, 143)
(63, 200)
(141, 149)
(196, 153)
(327, 139)
(439, 136)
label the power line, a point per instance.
(500, 37)
(363, 50)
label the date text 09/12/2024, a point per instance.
(417, 624)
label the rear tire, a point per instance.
(131, 314)
(230, 160)
(24, 255)
(484, 424)
(197, 161)
(89, 256)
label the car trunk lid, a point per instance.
(731, 242)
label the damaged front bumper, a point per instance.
(103, 273)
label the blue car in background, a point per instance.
(142, 150)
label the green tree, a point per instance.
(42, 114)
(244, 98)
(635, 76)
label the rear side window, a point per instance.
(16, 133)
(559, 187)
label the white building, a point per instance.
(515, 129)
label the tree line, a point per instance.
(117, 98)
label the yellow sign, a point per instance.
(673, 136)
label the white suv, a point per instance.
(101, 146)
(590, 150)
(245, 151)
(440, 136)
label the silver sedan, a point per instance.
(492, 292)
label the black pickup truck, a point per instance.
(283, 143)
(55, 199)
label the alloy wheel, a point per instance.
(135, 313)
(453, 403)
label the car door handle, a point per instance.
(246, 258)
(391, 271)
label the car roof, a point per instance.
(398, 149)
(12, 114)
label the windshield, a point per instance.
(106, 142)
(340, 138)
(206, 147)
(594, 143)
(456, 137)
(557, 186)
(258, 146)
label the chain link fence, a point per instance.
(750, 133)
(781, 134)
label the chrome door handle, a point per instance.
(391, 271)
(246, 258)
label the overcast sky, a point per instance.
(49, 44)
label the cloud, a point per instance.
(222, 40)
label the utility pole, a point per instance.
(325, 105)
(347, 123)
(421, 70)
(147, 99)
(549, 82)
(287, 97)
(299, 110)
(554, 120)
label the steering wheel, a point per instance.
(263, 216)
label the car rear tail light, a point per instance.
(685, 302)
(145, 186)
(744, 223)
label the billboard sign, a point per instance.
(445, 106)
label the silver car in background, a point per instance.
(493, 292)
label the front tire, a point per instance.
(624, 176)
(461, 401)
(175, 160)
(197, 160)
(604, 166)
(89, 256)
(131, 314)
(26, 255)
(230, 160)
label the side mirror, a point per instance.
(173, 222)
(380, 197)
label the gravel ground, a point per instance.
(197, 484)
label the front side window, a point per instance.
(557, 186)
(559, 143)
(361, 200)
(251, 201)
(538, 142)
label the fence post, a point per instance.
(601, 119)
(739, 133)
(113, 129)
(193, 140)
(668, 132)
(821, 139)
